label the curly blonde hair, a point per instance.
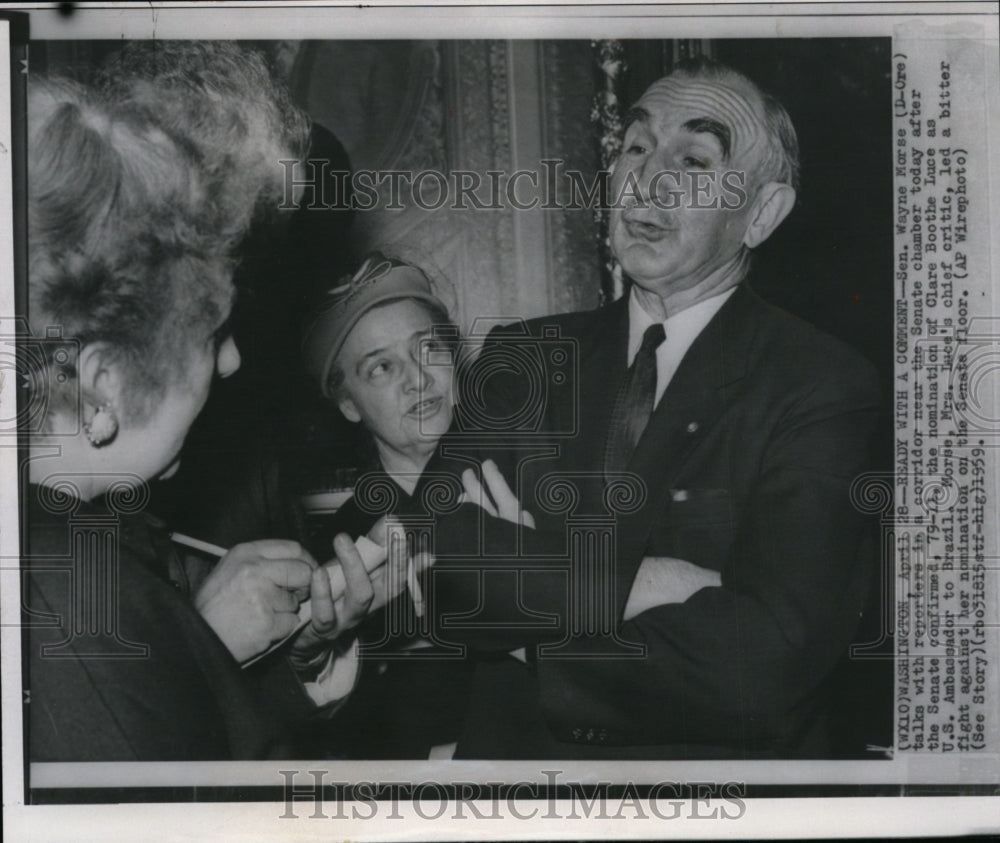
(226, 102)
(134, 211)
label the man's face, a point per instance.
(691, 128)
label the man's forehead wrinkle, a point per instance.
(711, 99)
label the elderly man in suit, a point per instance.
(741, 429)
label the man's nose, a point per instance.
(639, 181)
(227, 360)
(661, 182)
(647, 175)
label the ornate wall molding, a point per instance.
(569, 136)
(477, 106)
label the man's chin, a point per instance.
(638, 249)
(640, 263)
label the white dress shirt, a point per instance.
(682, 329)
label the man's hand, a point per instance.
(662, 579)
(251, 597)
(497, 498)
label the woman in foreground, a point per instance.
(130, 288)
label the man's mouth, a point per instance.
(639, 229)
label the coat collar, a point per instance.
(717, 359)
(723, 345)
(138, 534)
(694, 401)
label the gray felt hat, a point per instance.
(379, 280)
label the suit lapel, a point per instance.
(697, 393)
(693, 402)
(603, 353)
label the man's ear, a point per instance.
(349, 410)
(771, 205)
(99, 376)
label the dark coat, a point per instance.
(745, 468)
(407, 700)
(153, 682)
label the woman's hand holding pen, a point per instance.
(261, 593)
(251, 597)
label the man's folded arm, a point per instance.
(737, 663)
(743, 663)
(501, 578)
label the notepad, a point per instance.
(372, 555)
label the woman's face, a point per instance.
(155, 444)
(398, 379)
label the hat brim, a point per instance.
(326, 336)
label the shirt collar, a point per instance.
(681, 329)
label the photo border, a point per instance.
(215, 782)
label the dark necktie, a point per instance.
(634, 403)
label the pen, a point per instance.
(413, 586)
(198, 544)
(372, 555)
(305, 608)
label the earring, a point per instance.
(103, 427)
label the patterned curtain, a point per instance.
(607, 118)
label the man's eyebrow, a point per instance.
(712, 127)
(636, 112)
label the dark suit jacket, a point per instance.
(154, 684)
(744, 468)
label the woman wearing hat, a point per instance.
(382, 349)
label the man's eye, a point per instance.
(692, 163)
